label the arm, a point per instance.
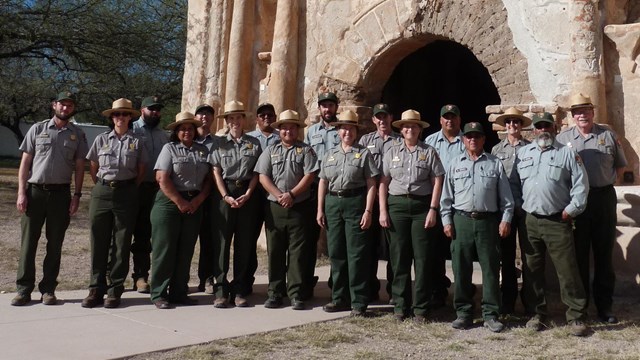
(579, 187)
(222, 189)
(446, 207)
(93, 170)
(286, 199)
(432, 215)
(322, 191)
(168, 188)
(23, 176)
(79, 179)
(268, 185)
(365, 222)
(383, 190)
(506, 203)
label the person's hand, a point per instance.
(504, 229)
(184, 206)
(320, 219)
(365, 221)
(430, 220)
(231, 201)
(241, 200)
(384, 219)
(450, 231)
(75, 203)
(285, 200)
(566, 217)
(21, 203)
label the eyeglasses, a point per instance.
(187, 129)
(154, 108)
(117, 114)
(543, 125)
(473, 136)
(513, 121)
(267, 115)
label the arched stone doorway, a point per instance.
(442, 72)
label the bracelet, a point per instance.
(225, 196)
(433, 208)
(367, 210)
(78, 194)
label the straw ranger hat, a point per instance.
(513, 113)
(184, 117)
(234, 107)
(580, 101)
(288, 117)
(347, 118)
(122, 105)
(410, 117)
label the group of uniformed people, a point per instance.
(388, 195)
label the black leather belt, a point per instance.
(190, 194)
(415, 197)
(476, 215)
(52, 187)
(116, 183)
(553, 217)
(600, 189)
(237, 183)
(348, 192)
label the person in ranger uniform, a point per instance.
(554, 192)
(233, 164)
(378, 142)
(346, 193)
(477, 206)
(287, 170)
(154, 138)
(410, 188)
(184, 177)
(448, 144)
(506, 151)
(595, 228)
(204, 113)
(52, 151)
(117, 165)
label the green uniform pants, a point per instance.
(349, 251)
(595, 229)
(174, 237)
(52, 207)
(476, 238)
(141, 244)
(205, 239)
(508, 247)
(111, 210)
(410, 243)
(237, 225)
(555, 236)
(287, 247)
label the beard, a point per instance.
(65, 117)
(544, 140)
(152, 120)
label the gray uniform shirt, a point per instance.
(287, 166)
(118, 159)
(377, 145)
(411, 172)
(236, 159)
(154, 139)
(210, 141)
(446, 150)
(348, 170)
(480, 185)
(322, 138)
(265, 141)
(54, 151)
(187, 166)
(507, 154)
(553, 180)
(600, 150)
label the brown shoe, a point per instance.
(241, 301)
(94, 299)
(142, 286)
(49, 299)
(220, 302)
(112, 302)
(162, 304)
(21, 299)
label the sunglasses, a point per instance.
(267, 115)
(513, 121)
(117, 114)
(154, 108)
(543, 125)
(473, 136)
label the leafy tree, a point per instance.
(100, 49)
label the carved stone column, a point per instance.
(238, 81)
(586, 53)
(283, 82)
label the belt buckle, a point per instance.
(44, 187)
(475, 215)
(239, 183)
(112, 184)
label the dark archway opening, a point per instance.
(443, 72)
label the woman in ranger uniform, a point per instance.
(412, 177)
(346, 193)
(233, 164)
(117, 164)
(183, 173)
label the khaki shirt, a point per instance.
(187, 166)
(287, 166)
(600, 151)
(322, 138)
(236, 159)
(154, 139)
(54, 151)
(507, 154)
(552, 180)
(117, 159)
(377, 145)
(348, 170)
(446, 150)
(479, 185)
(411, 172)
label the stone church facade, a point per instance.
(483, 55)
